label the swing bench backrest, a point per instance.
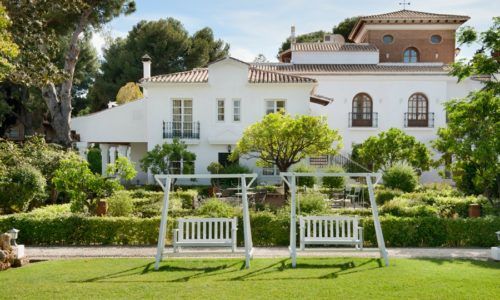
(203, 232)
(330, 230)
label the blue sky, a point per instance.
(259, 26)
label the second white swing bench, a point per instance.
(330, 230)
(205, 232)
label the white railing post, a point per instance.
(246, 223)
(293, 221)
(376, 221)
(163, 224)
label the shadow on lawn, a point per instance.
(148, 268)
(490, 264)
(343, 269)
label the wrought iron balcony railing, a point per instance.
(369, 119)
(181, 130)
(419, 120)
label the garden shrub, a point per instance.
(215, 208)
(51, 211)
(334, 182)
(21, 185)
(120, 204)
(95, 160)
(305, 181)
(188, 197)
(402, 207)
(401, 177)
(233, 169)
(311, 203)
(383, 195)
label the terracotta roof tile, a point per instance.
(332, 47)
(305, 69)
(255, 75)
(412, 14)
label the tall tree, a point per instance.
(470, 144)
(167, 42)
(345, 27)
(282, 140)
(8, 49)
(36, 27)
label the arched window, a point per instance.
(418, 110)
(410, 55)
(362, 110)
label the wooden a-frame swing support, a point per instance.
(290, 178)
(247, 232)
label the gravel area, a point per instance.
(47, 253)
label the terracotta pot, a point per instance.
(102, 208)
(213, 190)
(474, 211)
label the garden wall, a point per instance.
(268, 230)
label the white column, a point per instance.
(112, 154)
(122, 150)
(82, 149)
(104, 157)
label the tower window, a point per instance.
(388, 39)
(410, 55)
(436, 39)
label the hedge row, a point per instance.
(268, 229)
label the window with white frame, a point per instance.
(273, 106)
(236, 110)
(220, 110)
(270, 171)
(182, 116)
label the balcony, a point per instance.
(423, 120)
(369, 119)
(181, 130)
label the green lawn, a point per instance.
(314, 278)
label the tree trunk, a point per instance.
(59, 104)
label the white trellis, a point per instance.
(290, 178)
(165, 182)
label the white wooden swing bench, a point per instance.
(205, 232)
(330, 230)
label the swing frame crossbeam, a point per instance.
(165, 181)
(290, 179)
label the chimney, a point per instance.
(292, 34)
(146, 66)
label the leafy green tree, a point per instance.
(36, 28)
(8, 49)
(129, 92)
(122, 168)
(75, 179)
(345, 27)
(282, 140)
(391, 147)
(168, 43)
(172, 158)
(470, 144)
(19, 186)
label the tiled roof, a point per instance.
(327, 47)
(200, 75)
(305, 69)
(412, 14)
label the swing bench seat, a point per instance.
(330, 230)
(205, 232)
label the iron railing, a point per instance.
(419, 120)
(361, 119)
(181, 130)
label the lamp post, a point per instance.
(14, 233)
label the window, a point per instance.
(182, 116)
(220, 110)
(388, 39)
(410, 55)
(418, 110)
(362, 110)
(270, 171)
(236, 110)
(436, 39)
(273, 106)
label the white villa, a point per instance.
(395, 74)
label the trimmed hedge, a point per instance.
(268, 229)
